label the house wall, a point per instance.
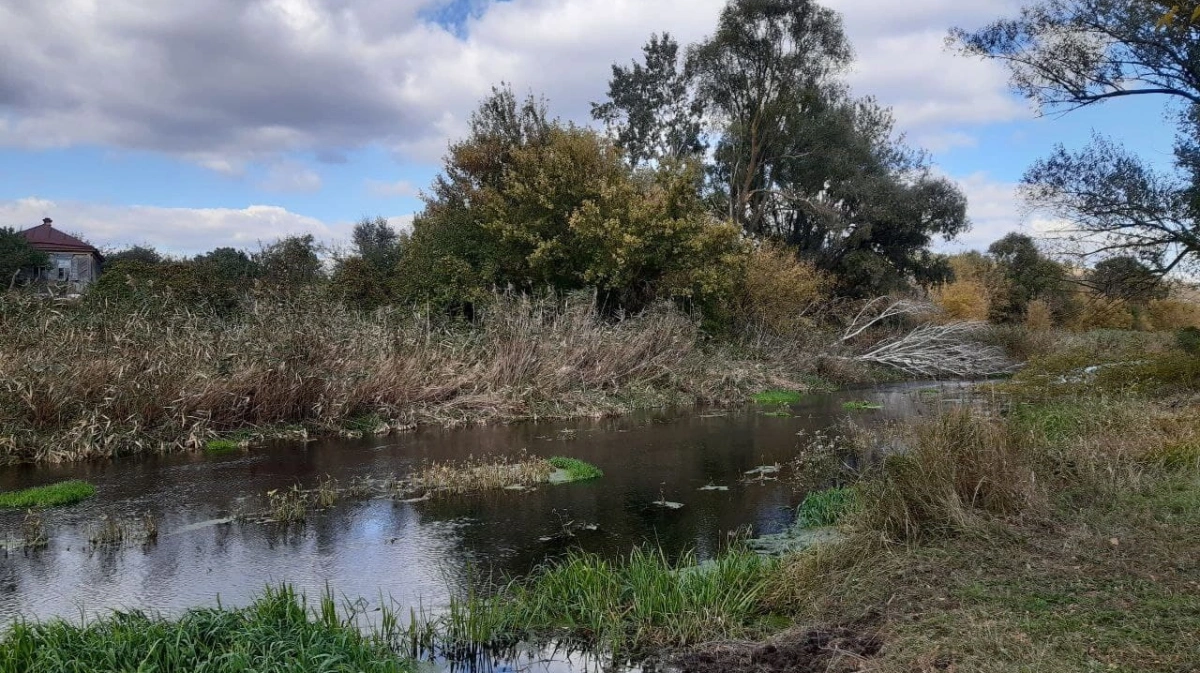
(77, 269)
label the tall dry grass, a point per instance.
(78, 382)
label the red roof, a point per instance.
(46, 238)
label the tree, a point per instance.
(377, 243)
(651, 110)
(136, 253)
(1028, 275)
(228, 264)
(1067, 54)
(1127, 279)
(795, 158)
(547, 205)
(17, 255)
(289, 263)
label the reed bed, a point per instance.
(88, 381)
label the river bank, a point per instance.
(81, 382)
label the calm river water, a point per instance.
(414, 553)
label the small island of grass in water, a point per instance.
(861, 405)
(575, 469)
(53, 495)
(777, 397)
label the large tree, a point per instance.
(1067, 54)
(794, 157)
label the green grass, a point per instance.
(63, 493)
(621, 607)
(860, 405)
(276, 634)
(825, 508)
(221, 446)
(577, 470)
(777, 397)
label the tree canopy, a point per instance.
(794, 157)
(1067, 54)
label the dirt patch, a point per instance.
(812, 651)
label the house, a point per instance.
(72, 262)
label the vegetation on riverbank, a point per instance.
(1004, 537)
(52, 495)
(279, 633)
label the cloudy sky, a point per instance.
(192, 124)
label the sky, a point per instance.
(195, 124)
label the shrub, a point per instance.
(1171, 314)
(779, 291)
(1038, 315)
(963, 300)
(956, 468)
(1188, 339)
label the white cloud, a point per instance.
(226, 82)
(291, 176)
(995, 209)
(181, 231)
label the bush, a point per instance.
(535, 204)
(1188, 339)
(956, 468)
(963, 300)
(779, 291)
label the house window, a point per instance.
(63, 272)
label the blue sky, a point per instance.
(201, 123)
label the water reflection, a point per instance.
(413, 552)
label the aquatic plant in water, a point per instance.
(575, 469)
(777, 397)
(861, 405)
(63, 493)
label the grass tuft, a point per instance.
(861, 405)
(777, 397)
(54, 495)
(621, 607)
(577, 470)
(275, 634)
(221, 446)
(825, 508)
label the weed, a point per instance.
(577, 470)
(54, 495)
(287, 505)
(327, 492)
(860, 405)
(777, 397)
(221, 446)
(33, 531)
(825, 508)
(275, 633)
(626, 606)
(110, 532)
(477, 474)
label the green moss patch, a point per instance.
(64, 493)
